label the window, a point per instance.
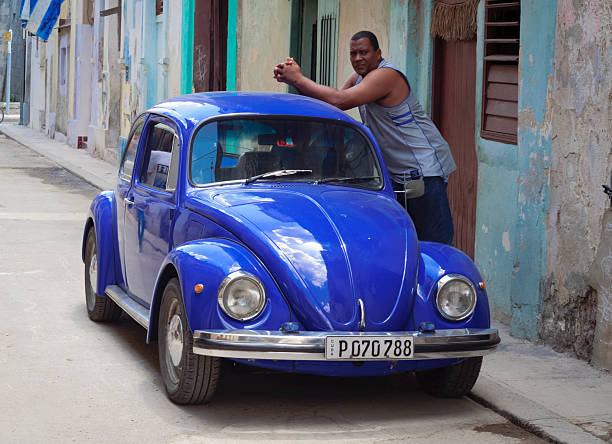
(62, 66)
(500, 83)
(127, 164)
(159, 7)
(327, 42)
(159, 169)
(229, 150)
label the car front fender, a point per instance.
(438, 260)
(208, 262)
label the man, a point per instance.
(411, 145)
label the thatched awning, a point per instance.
(454, 19)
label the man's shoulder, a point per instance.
(384, 74)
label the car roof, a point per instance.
(193, 108)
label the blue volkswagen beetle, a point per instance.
(263, 228)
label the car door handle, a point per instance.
(128, 201)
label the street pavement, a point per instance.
(65, 378)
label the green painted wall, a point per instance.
(411, 46)
(513, 180)
(232, 46)
(187, 47)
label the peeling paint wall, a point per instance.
(577, 297)
(512, 199)
(263, 37)
(534, 145)
(411, 46)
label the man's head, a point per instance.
(365, 53)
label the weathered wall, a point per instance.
(534, 146)
(576, 312)
(496, 204)
(38, 59)
(355, 16)
(411, 46)
(263, 41)
(512, 199)
(360, 15)
(133, 84)
(174, 47)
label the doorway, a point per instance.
(453, 112)
(210, 45)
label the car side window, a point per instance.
(127, 165)
(160, 168)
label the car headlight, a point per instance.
(241, 296)
(456, 297)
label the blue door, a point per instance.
(150, 208)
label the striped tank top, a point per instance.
(411, 145)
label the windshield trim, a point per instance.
(255, 116)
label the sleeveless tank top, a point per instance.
(411, 145)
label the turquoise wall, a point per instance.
(411, 46)
(187, 47)
(496, 209)
(150, 56)
(512, 194)
(513, 180)
(538, 21)
(232, 44)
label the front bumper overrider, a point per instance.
(310, 345)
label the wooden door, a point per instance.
(454, 95)
(210, 45)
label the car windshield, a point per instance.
(323, 151)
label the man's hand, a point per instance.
(288, 72)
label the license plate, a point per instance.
(368, 348)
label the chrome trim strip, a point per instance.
(362, 320)
(310, 345)
(136, 311)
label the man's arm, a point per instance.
(350, 82)
(374, 86)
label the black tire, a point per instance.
(453, 381)
(99, 308)
(188, 378)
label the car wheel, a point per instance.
(188, 378)
(453, 381)
(99, 308)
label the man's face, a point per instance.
(363, 57)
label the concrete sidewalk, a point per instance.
(553, 395)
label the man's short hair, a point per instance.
(369, 35)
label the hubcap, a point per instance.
(93, 281)
(174, 339)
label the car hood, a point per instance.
(326, 247)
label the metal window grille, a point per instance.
(327, 61)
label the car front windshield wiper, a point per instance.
(347, 179)
(277, 173)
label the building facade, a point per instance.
(521, 90)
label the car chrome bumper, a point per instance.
(310, 345)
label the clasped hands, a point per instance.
(288, 71)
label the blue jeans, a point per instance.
(430, 213)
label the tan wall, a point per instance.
(174, 48)
(263, 42)
(579, 231)
(360, 15)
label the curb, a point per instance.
(527, 414)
